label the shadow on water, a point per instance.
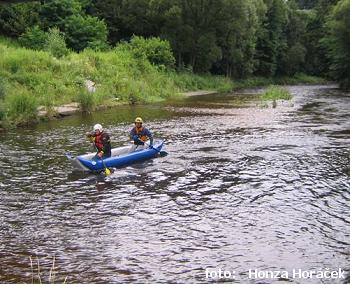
(242, 188)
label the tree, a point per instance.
(190, 26)
(33, 38)
(86, 32)
(307, 4)
(15, 19)
(338, 42)
(237, 36)
(316, 61)
(127, 18)
(110, 11)
(55, 43)
(54, 13)
(291, 58)
(270, 38)
(157, 51)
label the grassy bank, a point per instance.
(263, 82)
(274, 93)
(30, 78)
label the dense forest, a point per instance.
(236, 38)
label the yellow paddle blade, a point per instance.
(107, 172)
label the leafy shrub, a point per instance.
(276, 93)
(86, 100)
(157, 51)
(2, 111)
(86, 32)
(22, 107)
(56, 44)
(33, 38)
(17, 17)
(54, 13)
(2, 88)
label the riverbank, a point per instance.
(34, 85)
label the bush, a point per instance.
(187, 81)
(54, 13)
(276, 93)
(15, 18)
(86, 32)
(22, 108)
(33, 38)
(2, 111)
(86, 100)
(55, 43)
(157, 51)
(2, 89)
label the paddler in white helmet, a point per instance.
(101, 140)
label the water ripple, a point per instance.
(243, 187)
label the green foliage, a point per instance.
(55, 43)
(299, 78)
(22, 107)
(307, 4)
(2, 112)
(157, 51)
(16, 18)
(234, 38)
(338, 42)
(54, 13)
(238, 37)
(270, 37)
(34, 38)
(190, 28)
(276, 93)
(190, 82)
(86, 100)
(2, 88)
(86, 32)
(294, 59)
(316, 61)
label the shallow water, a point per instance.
(243, 187)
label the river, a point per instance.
(244, 187)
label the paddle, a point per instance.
(107, 170)
(161, 153)
(69, 156)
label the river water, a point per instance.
(243, 187)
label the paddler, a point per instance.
(101, 140)
(140, 134)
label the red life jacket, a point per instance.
(98, 141)
(139, 133)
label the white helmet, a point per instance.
(98, 127)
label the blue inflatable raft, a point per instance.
(121, 157)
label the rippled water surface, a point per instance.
(243, 187)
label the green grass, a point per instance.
(117, 74)
(87, 101)
(274, 93)
(22, 108)
(37, 78)
(187, 81)
(299, 78)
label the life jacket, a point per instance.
(98, 141)
(139, 133)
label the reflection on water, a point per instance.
(242, 188)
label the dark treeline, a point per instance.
(237, 38)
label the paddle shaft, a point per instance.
(162, 153)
